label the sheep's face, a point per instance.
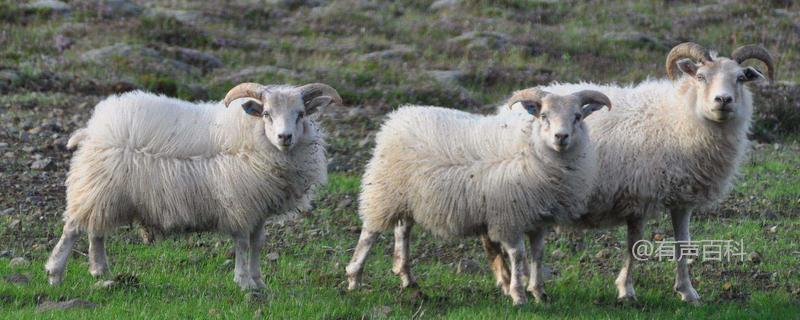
(284, 116)
(719, 87)
(559, 119)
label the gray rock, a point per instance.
(42, 164)
(468, 266)
(19, 262)
(633, 38)
(16, 278)
(395, 53)
(446, 76)
(117, 50)
(65, 305)
(273, 256)
(482, 40)
(51, 5)
(180, 15)
(444, 4)
(117, 8)
(250, 72)
(195, 57)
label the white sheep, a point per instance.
(669, 145)
(458, 174)
(176, 166)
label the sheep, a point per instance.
(458, 174)
(175, 166)
(668, 145)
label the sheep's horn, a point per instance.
(532, 94)
(244, 90)
(757, 52)
(313, 90)
(593, 97)
(685, 50)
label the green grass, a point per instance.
(186, 276)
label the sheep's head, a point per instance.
(559, 118)
(718, 81)
(283, 109)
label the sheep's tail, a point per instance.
(76, 139)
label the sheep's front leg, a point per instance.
(495, 255)
(98, 262)
(402, 233)
(257, 243)
(241, 272)
(356, 265)
(683, 282)
(624, 280)
(516, 256)
(57, 262)
(536, 281)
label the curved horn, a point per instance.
(244, 90)
(685, 50)
(593, 97)
(531, 94)
(757, 52)
(313, 90)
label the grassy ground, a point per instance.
(379, 55)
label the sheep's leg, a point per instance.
(536, 280)
(402, 233)
(256, 243)
(241, 272)
(624, 280)
(495, 255)
(683, 282)
(98, 262)
(57, 262)
(516, 256)
(356, 265)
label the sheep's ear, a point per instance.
(589, 108)
(319, 102)
(687, 66)
(532, 107)
(253, 108)
(751, 74)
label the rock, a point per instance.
(7, 212)
(482, 40)
(273, 256)
(47, 5)
(754, 257)
(119, 8)
(19, 262)
(395, 53)
(467, 266)
(446, 76)
(557, 254)
(5, 254)
(250, 72)
(118, 50)
(773, 229)
(135, 55)
(181, 15)
(64, 305)
(195, 57)
(633, 38)
(602, 254)
(16, 278)
(105, 284)
(42, 164)
(444, 4)
(62, 42)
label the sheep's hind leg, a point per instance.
(495, 256)
(57, 262)
(356, 265)
(241, 272)
(516, 256)
(98, 261)
(624, 280)
(402, 233)
(256, 243)
(536, 282)
(683, 281)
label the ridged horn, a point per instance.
(591, 96)
(531, 94)
(685, 50)
(313, 90)
(244, 90)
(757, 52)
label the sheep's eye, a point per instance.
(265, 114)
(701, 78)
(741, 78)
(301, 115)
(543, 116)
(577, 117)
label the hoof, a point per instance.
(627, 300)
(246, 284)
(98, 272)
(259, 283)
(689, 296)
(540, 297)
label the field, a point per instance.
(58, 60)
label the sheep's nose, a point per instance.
(562, 137)
(285, 137)
(723, 99)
